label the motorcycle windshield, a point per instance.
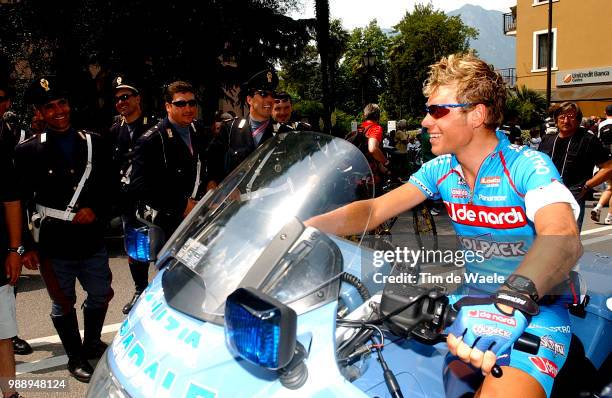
(250, 231)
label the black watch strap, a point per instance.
(517, 300)
(19, 250)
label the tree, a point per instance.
(189, 39)
(529, 106)
(354, 78)
(423, 37)
(323, 44)
(301, 75)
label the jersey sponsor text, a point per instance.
(503, 217)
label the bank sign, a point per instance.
(584, 76)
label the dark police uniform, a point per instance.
(164, 172)
(50, 168)
(238, 134)
(124, 137)
(11, 134)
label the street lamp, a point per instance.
(369, 59)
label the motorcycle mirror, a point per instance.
(143, 240)
(260, 329)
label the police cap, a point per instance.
(121, 82)
(266, 79)
(44, 90)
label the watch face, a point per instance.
(19, 250)
(520, 283)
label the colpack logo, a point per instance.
(491, 248)
(545, 366)
(506, 320)
(487, 330)
(491, 181)
(459, 193)
(504, 217)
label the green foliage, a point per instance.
(528, 105)
(343, 122)
(301, 75)
(310, 109)
(423, 37)
(159, 42)
(358, 84)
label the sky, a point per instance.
(358, 13)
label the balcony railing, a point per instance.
(509, 76)
(509, 23)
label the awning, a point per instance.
(600, 92)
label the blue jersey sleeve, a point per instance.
(533, 170)
(426, 178)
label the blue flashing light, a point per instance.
(137, 243)
(260, 329)
(257, 340)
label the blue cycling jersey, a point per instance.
(492, 218)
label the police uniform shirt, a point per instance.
(124, 137)
(164, 169)
(237, 135)
(12, 135)
(49, 173)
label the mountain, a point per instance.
(492, 45)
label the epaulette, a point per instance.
(32, 138)
(242, 123)
(151, 131)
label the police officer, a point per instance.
(169, 165)
(281, 113)
(10, 132)
(10, 135)
(65, 182)
(243, 135)
(124, 133)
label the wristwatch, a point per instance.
(19, 250)
(521, 284)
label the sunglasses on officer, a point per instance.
(264, 93)
(281, 100)
(123, 97)
(440, 110)
(182, 103)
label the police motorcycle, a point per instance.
(251, 302)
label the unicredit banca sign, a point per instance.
(584, 76)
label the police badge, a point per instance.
(44, 83)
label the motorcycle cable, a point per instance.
(355, 346)
(390, 379)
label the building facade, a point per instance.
(581, 53)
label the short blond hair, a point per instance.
(476, 81)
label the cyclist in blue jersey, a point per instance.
(506, 201)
